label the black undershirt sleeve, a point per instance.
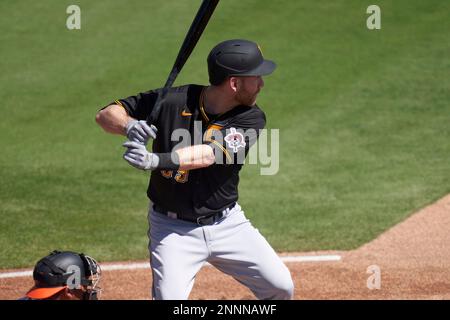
(138, 106)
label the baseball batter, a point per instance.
(201, 137)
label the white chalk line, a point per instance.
(146, 265)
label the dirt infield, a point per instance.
(413, 258)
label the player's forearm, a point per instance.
(113, 119)
(195, 157)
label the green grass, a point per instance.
(363, 118)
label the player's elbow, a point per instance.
(103, 118)
(100, 119)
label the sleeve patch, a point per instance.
(235, 140)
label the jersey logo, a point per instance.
(185, 114)
(235, 140)
(259, 48)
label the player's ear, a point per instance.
(233, 82)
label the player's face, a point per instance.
(248, 89)
(67, 294)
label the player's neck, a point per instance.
(217, 101)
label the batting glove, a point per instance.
(138, 156)
(139, 131)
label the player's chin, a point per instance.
(248, 100)
(253, 101)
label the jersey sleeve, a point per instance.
(232, 140)
(139, 106)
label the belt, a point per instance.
(201, 221)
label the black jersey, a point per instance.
(201, 191)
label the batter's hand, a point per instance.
(138, 156)
(140, 131)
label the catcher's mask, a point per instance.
(65, 269)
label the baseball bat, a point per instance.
(193, 35)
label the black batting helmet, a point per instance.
(237, 58)
(56, 272)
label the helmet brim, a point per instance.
(43, 293)
(265, 68)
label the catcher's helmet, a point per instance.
(54, 272)
(237, 58)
